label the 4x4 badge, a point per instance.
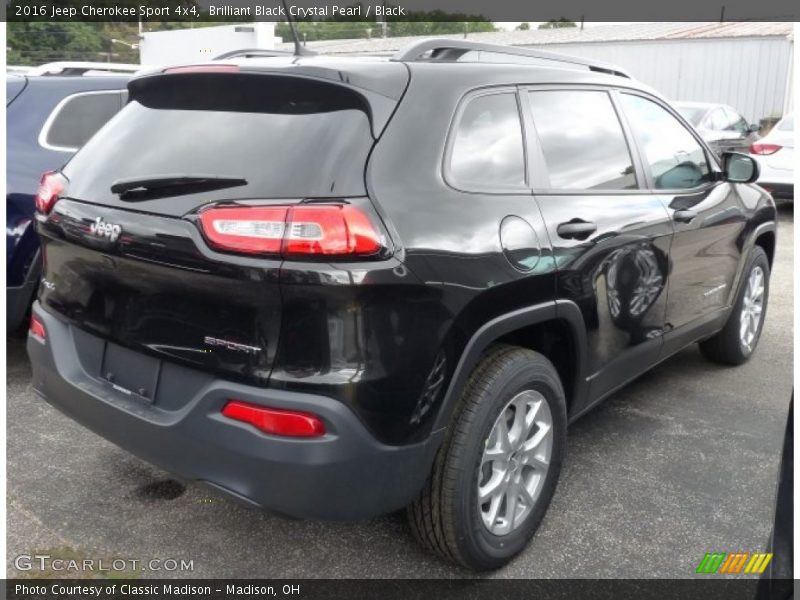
(102, 229)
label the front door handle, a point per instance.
(576, 229)
(684, 216)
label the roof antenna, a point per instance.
(299, 49)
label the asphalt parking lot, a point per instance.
(680, 463)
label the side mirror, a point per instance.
(754, 127)
(739, 168)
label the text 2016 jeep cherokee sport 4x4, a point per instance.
(338, 287)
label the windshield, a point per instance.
(285, 139)
(692, 114)
(786, 124)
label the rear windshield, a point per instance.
(287, 137)
(691, 114)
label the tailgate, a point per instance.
(125, 259)
(152, 289)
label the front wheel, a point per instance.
(496, 472)
(737, 341)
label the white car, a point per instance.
(775, 155)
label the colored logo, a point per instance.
(734, 563)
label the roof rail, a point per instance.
(254, 53)
(451, 50)
(81, 68)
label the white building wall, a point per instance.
(203, 43)
(750, 74)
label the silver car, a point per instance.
(721, 126)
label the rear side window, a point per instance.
(736, 122)
(676, 159)
(582, 140)
(487, 150)
(77, 118)
(718, 120)
(288, 137)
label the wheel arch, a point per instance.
(539, 327)
(766, 239)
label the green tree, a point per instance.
(523, 26)
(434, 22)
(557, 24)
(32, 43)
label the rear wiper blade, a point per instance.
(163, 185)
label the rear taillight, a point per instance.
(275, 421)
(36, 329)
(51, 186)
(304, 230)
(764, 148)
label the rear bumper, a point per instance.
(345, 474)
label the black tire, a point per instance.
(726, 347)
(446, 517)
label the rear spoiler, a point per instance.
(379, 107)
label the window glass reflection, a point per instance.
(676, 159)
(487, 151)
(582, 140)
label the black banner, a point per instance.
(311, 589)
(398, 10)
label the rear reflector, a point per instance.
(304, 230)
(51, 186)
(275, 421)
(37, 329)
(764, 148)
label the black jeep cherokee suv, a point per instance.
(337, 287)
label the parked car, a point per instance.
(335, 287)
(775, 155)
(721, 126)
(49, 117)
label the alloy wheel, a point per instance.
(515, 462)
(752, 309)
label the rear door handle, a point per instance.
(576, 229)
(684, 216)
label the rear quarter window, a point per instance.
(77, 118)
(487, 151)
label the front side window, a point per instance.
(78, 118)
(582, 140)
(487, 150)
(675, 158)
